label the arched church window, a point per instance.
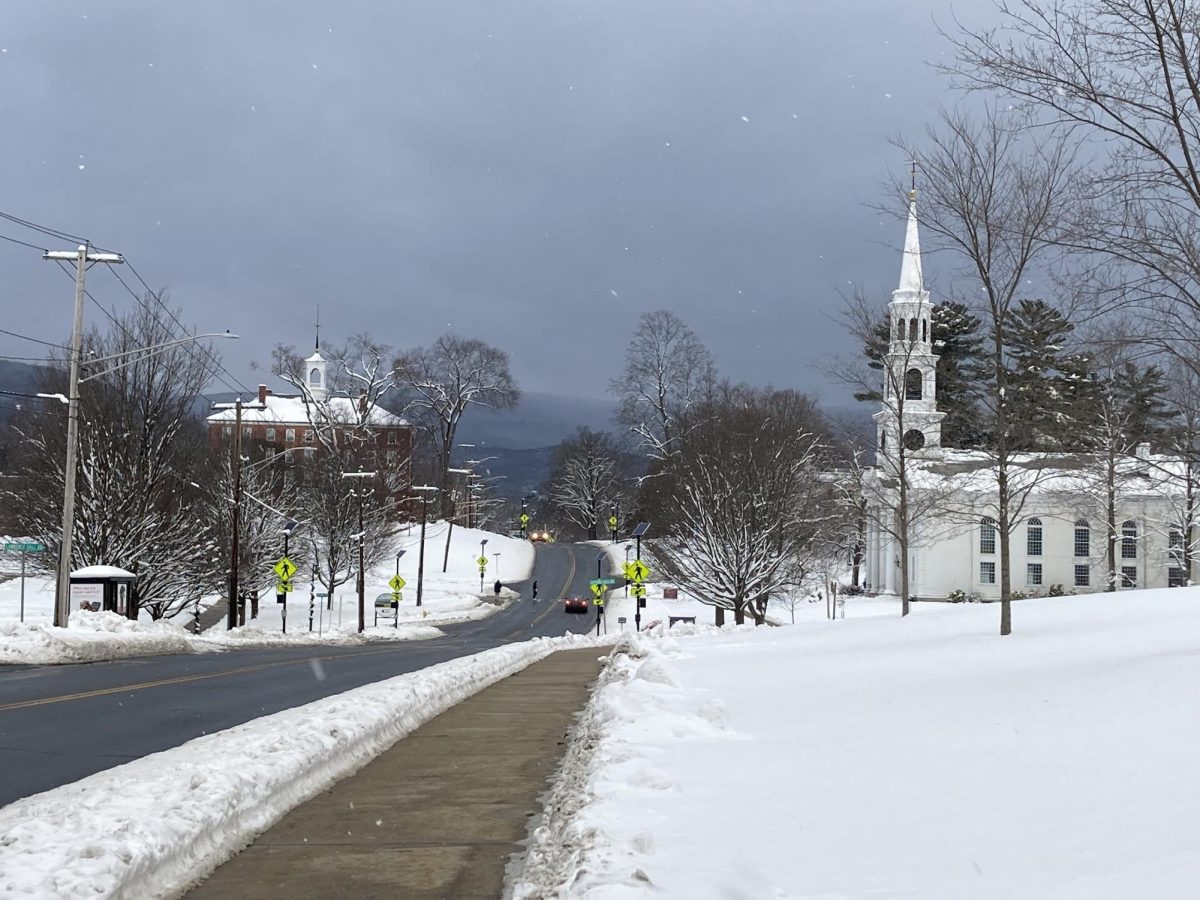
(1033, 537)
(314, 377)
(925, 330)
(1083, 539)
(914, 439)
(1129, 534)
(987, 535)
(913, 382)
(899, 329)
(912, 329)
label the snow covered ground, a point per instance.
(921, 757)
(151, 827)
(449, 597)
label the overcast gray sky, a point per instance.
(535, 172)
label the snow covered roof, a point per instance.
(102, 572)
(280, 410)
(974, 471)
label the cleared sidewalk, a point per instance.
(436, 816)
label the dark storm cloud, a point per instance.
(533, 173)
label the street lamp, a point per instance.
(628, 547)
(362, 541)
(425, 490)
(288, 528)
(638, 532)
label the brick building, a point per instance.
(274, 424)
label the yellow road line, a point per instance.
(181, 679)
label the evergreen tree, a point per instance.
(1048, 386)
(1142, 394)
(960, 367)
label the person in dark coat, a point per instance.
(496, 587)
(535, 590)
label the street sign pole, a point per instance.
(22, 585)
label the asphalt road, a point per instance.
(61, 723)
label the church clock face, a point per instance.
(914, 439)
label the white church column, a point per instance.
(889, 562)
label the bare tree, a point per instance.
(585, 479)
(994, 196)
(141, 446)
(1125, 75)
(885, 494)
(668, 371)
(441, 382)
(748, 501)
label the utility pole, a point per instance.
(362, 581)
(82, 257)
(237, 612)
(425, 491)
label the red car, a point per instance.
(575, 605)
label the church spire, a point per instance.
(911, 280)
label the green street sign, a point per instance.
(607, 582)
(24, 547)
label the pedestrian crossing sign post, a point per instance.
(482, 563)
(285, 569)
(524, 519)
(638, 571)
(396, 583)
(598, 592)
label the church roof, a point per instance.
(974, 472)
(911, 280)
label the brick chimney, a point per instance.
(262, 395)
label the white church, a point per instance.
(1060, 539)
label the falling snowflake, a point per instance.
(745, 118)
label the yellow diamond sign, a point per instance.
(285, 569)
(524, 519)
(638, 571)
(598, 590)
(482, 562)
(396, 583)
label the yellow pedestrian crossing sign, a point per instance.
(639, 590)
(283, 587)
(612, 521)
(524, 518)
(598, 590)
(638, 571)
(396, 583)
(285, 569)
(482, 562)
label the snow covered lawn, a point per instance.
(449, 597)
(151, 827)
(925, 757)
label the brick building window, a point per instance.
(290, 435)
(270, 434)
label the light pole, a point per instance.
(641, 529)
(425, 490)
(483, 556)
(362, 541)
(237, 613)
(497, 555)
(628, 547)
(288, 528)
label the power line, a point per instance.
(204, 348)
(26, 337)
(12, 240)
(51, 232)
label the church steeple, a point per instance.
(909, 411)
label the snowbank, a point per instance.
(93, 636)
(926, 757)
(448, 598)
(155, 825)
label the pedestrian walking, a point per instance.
(535, 590)
(496, 587)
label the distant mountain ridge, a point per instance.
(540, 420)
